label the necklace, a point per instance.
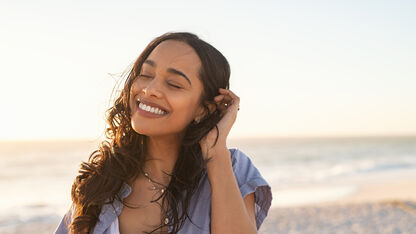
(155, 186)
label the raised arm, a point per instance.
(230, 213)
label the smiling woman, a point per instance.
(165, 166)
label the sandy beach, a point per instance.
(343, 187)
(384, 207)
(368, 217)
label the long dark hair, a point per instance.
(120, 156)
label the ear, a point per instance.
(201, 111)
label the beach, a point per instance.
(348, 185)
(382, 208)
(368, 217)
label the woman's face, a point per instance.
(169, 80)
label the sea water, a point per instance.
(308, 170)
(36, 176)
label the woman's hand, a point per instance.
(228, 103)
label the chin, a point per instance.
(147, 130)
(140, 129)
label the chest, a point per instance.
(146, 216)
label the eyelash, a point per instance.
(175, 86)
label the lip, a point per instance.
(146, 113)
(144, 101)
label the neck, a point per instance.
(161, 155)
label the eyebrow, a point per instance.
(170, 70)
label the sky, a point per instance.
(300, 68)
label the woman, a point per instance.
(165, 166)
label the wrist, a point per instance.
(212, 152)
(218, 155)
(219, 167)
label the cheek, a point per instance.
(134, 87)
(133, 91)
(184, 107)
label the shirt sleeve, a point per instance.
(65, 221)
(250, 180)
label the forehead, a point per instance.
(176, 54)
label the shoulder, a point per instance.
(62, 227)
(246, 173)
(250, 180)
(241, 162)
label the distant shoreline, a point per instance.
(232, 138)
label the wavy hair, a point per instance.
(120, 156)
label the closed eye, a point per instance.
(178, 87)
(175, 86)
(145, 75)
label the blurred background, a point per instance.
(327, 94)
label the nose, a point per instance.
(152, 89)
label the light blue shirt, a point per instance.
(248, 178)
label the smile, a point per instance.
(151, 109)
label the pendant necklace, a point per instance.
(155, 186)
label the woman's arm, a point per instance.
(230, 213)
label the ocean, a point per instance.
(36, 176)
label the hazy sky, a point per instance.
(301, 68)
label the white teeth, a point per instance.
(154, 110)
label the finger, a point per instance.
(223, 98)
(225, 102)
(221, 107)
(227, 99)
(219, 101)
(230, 93)
(219, 97)
(230, 98)
(224, 106)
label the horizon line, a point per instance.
(256, 137)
